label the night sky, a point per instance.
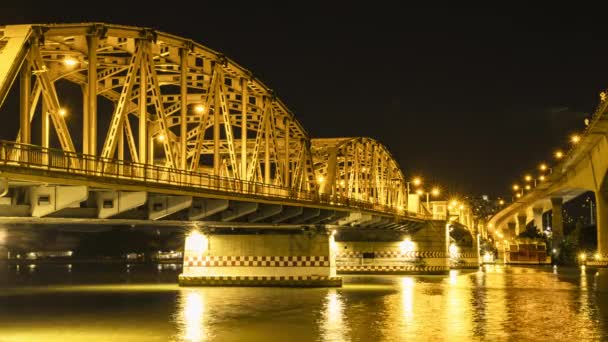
(468, 98)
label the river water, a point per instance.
(143, 303)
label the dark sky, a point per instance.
(468, 97)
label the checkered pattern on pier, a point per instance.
(393, 254)
(256, 261)
(390, 268)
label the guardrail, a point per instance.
(50, 159)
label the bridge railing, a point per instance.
(56, 160)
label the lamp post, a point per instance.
(434, 191)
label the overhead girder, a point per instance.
(359, 168)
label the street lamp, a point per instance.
(434, 191)
(559, 154)
(575, 138)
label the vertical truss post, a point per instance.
(183, 54)
(85, 118)
(286, 160)
(244, 101)
(329, 185)
(24, 110)
(142, 141)
(90, 124)
(150, 141)
(357, 175)
(267, 146)
(121, 147)
(44, 139)
(216, 130)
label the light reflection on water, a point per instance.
(192, 308)
(494, 304)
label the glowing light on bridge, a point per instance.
(528, 187)
(69, 61)
(196, 242)
(453, 249)
(518, 195)
(63, 112)
(417, 181)
(515, 187)
(575, 138)
(543, 167)
(597, 256)
(582, 256)
(487, 257)
(559, 154)
(407, 245)
(161, 137)
(320, 179)
(541, 178)
(435, 192)
(528, 178)
(199, 108)
(501, 202)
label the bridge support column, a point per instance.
(268, 258)
(521, 224)
(511, 232)
(601, 201)
(393, 252)
(557, 224)
(538, 219)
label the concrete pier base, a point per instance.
(301, 258)
(390, 252)
(464, 258)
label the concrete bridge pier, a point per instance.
(521, 224)
(260, 257)
(601, 201)
(422, 250)
(538, 219)
(511, 231)
(557, 224)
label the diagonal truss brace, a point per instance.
(52, 101)
(118, 117)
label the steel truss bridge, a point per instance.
(115, 118)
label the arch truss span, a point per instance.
(168, 101)
(108, 104)
(359, 168)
